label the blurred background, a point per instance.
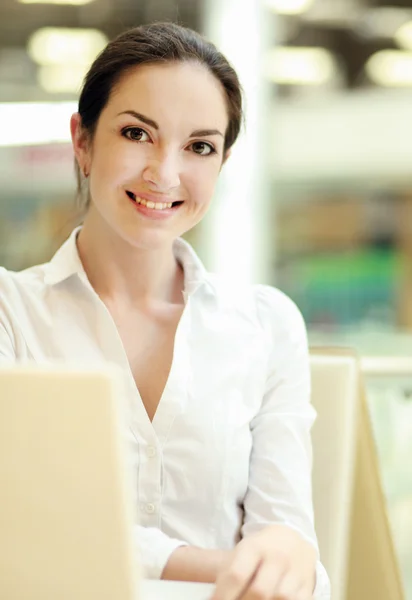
(324, 206)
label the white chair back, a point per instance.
(335, 385)
(350, 510)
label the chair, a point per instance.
(353, 530)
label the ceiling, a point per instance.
(346, 28)
(18, 21)
(341, 26)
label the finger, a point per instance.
(266, 583)
(235, 578)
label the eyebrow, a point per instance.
(151, 123)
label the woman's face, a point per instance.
(159, 141)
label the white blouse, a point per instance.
(229, 449)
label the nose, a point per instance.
(162, 171)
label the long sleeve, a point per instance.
(7, 351)
(154, 549)
(280, 489)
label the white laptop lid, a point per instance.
(65, 511)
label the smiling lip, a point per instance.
(153, 198)
(158, 209)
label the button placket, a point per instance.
(149, 487)
(173, 400)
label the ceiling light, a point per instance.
(390, 68)
(73, 2)
(31, 123)
(58, 79)
(55, 46)
(300, 66)
(383, 22)
(403, 36)
(289, 7)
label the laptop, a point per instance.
(66, 509)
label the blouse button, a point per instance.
(150, 508)
(151, 451)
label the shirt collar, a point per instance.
(66, 263)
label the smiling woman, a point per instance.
(157, 148)
(159, 44)
(215, 376)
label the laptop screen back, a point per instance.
(65, 511)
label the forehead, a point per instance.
(188, 93)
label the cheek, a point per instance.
(201, 181)
(116, 162)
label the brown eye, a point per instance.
(136, 134)
(203, 148)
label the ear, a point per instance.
(80, 142)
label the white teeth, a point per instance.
(153, 205)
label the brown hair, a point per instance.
(149, 44)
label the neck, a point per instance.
(126, 274)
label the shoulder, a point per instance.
(20, 289)
(29, 279)
(276, 309)
(271, 308)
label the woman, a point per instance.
(217, 379)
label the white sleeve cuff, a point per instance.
(322, 588)
(154, 549)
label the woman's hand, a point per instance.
(274, 564)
